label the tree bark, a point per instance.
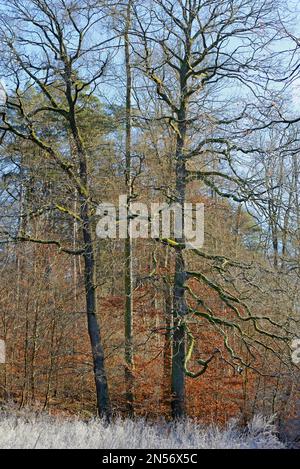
(128, 278)
(180, 306)
(102, 392)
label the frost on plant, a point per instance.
(42, 431)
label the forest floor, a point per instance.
(36, 431)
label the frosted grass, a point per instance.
(31, 431)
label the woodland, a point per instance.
(161, 101)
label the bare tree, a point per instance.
(57, 54)
(129, 380)
(208, 64)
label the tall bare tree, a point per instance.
(202, 60)
(129, 360)
(57, 51)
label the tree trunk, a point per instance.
(178, 344)
(102, 392)
(128, 280)
(103, 401)
(180, 306)
(167, 353)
